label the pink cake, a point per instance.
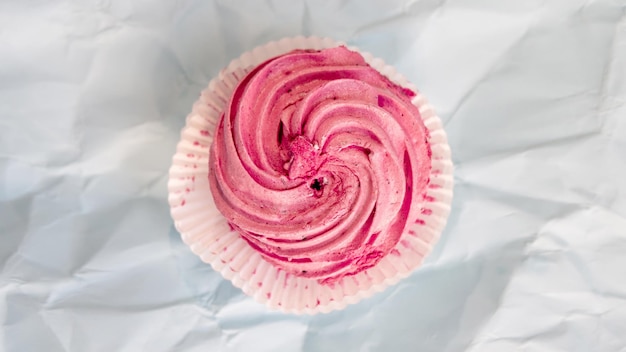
(311, 175)
(317, 161)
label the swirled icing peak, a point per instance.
(320, 162)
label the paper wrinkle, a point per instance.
(93, 95)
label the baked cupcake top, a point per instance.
(320, 162)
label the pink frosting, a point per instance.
(320, 163)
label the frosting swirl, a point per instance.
(320, 162)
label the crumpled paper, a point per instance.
(93, 95)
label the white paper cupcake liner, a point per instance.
(209, 236)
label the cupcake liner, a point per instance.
(208, 235)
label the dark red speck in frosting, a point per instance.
(320, 163)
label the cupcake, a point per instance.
(311, 175)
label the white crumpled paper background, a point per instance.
(93, 95)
